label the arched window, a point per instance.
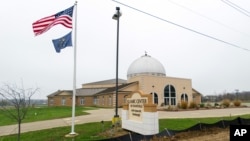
(169, 95)
(184, 97)
(155, 98)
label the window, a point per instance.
(63, 101)
(98, 100)
(125, 98)
(184, 97)
(110, 100)
(51, 101)
(82, 101)
(103, 100)
(155, 98)
(169, 95)
(95, 100)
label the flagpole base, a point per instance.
(116, 120)
(71, 135)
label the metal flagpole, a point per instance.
(74, 76)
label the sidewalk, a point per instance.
(107, 115)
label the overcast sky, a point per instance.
(214, 67)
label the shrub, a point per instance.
(225, 103)
(162, 104)
(179, 105)
(216, 104)
(168, 108)
(237, 103)
(184, 104)
(208, 105)
(202, 105)
(193, 104)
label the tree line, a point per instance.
(243, 96)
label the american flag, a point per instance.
(64, 17)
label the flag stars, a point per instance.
(68, 11)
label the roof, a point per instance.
(112, 89)
(60, 91)
(92, 91)
(109, 81)
(196, 92)
(79, 92)
(88, 91)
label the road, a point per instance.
(107, 114)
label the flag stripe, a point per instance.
(64, 18)
(49, 18)
(43, 27)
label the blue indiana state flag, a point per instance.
(62, 42)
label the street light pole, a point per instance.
(116, 16)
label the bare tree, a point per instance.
(15, 103)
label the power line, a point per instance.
(208, 18)
(211, 37)
(236, 7)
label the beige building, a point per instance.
(145, 74)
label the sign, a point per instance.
(136, 106)
(140, 115)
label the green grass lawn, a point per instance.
(45, 113)
(183, 123)
(91, 131)
(87, 132)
